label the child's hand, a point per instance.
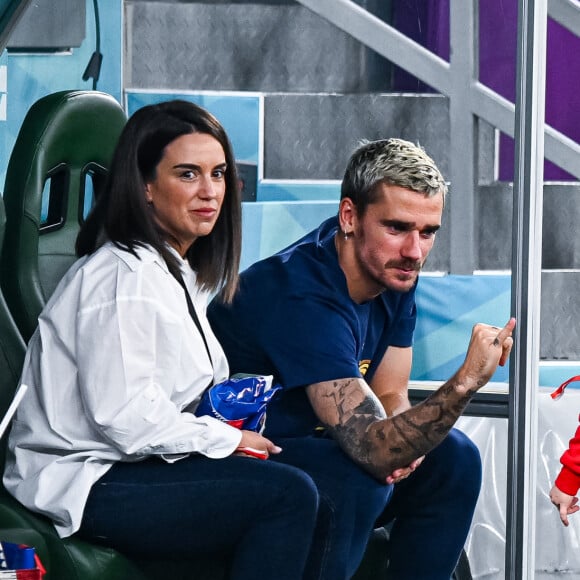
(566, 504)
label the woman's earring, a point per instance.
(345, 235)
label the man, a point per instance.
(332, 318)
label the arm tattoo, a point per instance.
(380, 444)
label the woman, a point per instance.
(105, 442)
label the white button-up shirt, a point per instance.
(114, 372)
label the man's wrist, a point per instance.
(463, 384)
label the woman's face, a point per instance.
(188, 189)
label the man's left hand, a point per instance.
(404, 472)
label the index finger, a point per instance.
(563, 514)
(505, 332)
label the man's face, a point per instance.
(394, 237)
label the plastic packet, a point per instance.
(239, 401)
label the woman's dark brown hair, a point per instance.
(122, 216)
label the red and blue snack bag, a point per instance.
(19, 561)
(240, 401)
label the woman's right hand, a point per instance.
(255, 445)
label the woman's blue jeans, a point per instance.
(262, 512)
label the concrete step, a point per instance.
(279, 46)
(561, 214)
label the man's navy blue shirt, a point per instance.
(293, 318)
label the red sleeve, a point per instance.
(568, 479)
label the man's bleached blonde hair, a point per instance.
(393, 162)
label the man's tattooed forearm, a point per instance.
(380, 444)
(383, 445)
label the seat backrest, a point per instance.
(12, 348)
(58, 165)
(71, 558)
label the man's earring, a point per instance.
(345, 235)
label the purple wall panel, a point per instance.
(428, 24)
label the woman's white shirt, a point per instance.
(114, 371)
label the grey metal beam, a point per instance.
(526, 290)
(499, 112)
(492, 108)
(385, 40)
(566, 13)
(463, 141)
(563, 151)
